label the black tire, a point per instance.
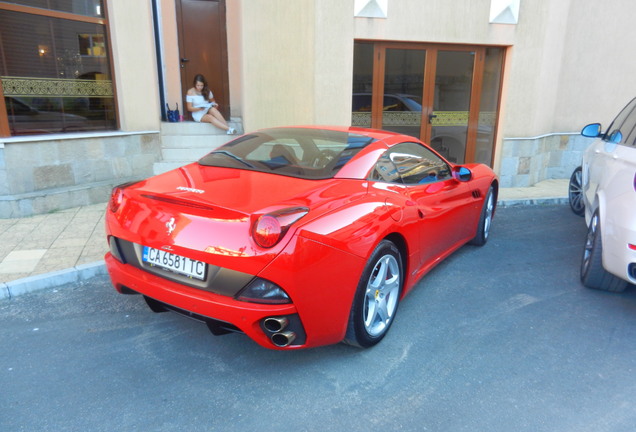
(485, 219)
(575, 192)
(593, 275)
(377, 296)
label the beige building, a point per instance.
(504, 82)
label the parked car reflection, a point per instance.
(26, 119)
(391, 102)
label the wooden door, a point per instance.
(203, 47)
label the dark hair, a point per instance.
(206, 90)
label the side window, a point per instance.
(621, 128)
(631, 139)
(410, 164)
(628, 130)
(385, 170)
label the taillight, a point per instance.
(117, 196)
(270, 228)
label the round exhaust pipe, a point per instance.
(275, 324)
(283, 339)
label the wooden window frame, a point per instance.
(5, 131)
(430, 68)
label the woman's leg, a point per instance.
(217, 115)
(209, 118)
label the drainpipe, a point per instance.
(159, 50)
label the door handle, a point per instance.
(185, 60)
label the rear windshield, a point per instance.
(296, 152)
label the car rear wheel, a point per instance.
(485, 219)
(575, 192)
(593, 275)
(377, 296)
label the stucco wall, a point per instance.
(134, 64)
(277, 48)
(596, 79)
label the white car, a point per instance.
(608, 192)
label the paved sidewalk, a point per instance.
(545, 192)
(67, 246)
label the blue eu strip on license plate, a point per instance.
(174, 263)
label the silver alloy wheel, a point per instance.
(589, 243)
(381, 296)
(490, 206)
(575, 192)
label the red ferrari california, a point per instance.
(297, 236)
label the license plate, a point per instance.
(174, 263)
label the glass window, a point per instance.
(91, 8)
(403, 88)
(362, 84)
(410, 164)
(489, 105)
(296, 152)
(55, 77)
(451, 104)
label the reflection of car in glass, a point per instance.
(401, 113)
(25, 119)
(608, 188)
(391, 102)
(297, 237)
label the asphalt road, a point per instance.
(499, 338)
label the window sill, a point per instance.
(69, 136)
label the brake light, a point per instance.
(270, 228)
(116, 198)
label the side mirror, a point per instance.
(592, 130)
(462, 174)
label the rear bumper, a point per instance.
(246, 317)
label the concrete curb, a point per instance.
(533, 201)
(51, 280)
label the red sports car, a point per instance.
(297, 236)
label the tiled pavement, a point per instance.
(57, 248)
(42, 245)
